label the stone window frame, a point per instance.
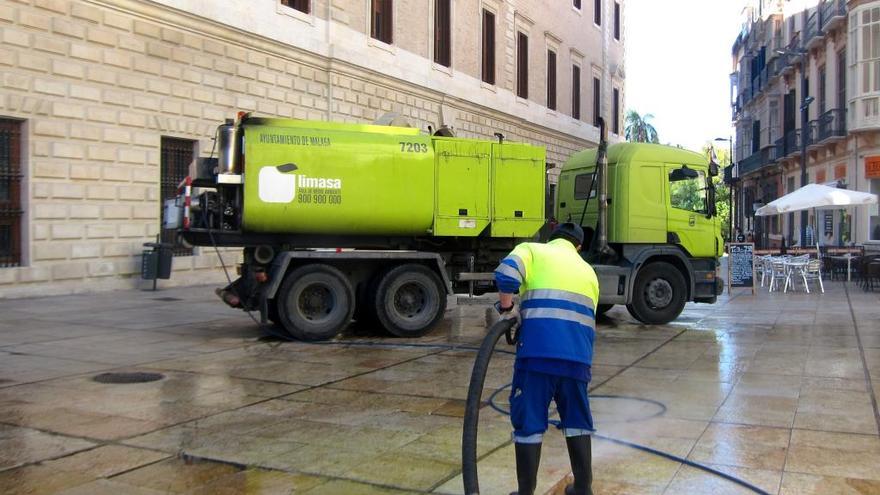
(596, 73)
(552, 43)
(374, 42)
(522, 25)
(308, 18)
(448, 70)
(493, 7)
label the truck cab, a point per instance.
(663, 232)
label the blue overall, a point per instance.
(558, 295)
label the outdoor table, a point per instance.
(790, 266)
(848, 258)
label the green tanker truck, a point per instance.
(345, 221)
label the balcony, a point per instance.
(793, 57)
(757, 161)
(750, 164)
(812, 32)
(832, 126)
(812, 135)
(833, 14)
(730, 174)
(792, 143)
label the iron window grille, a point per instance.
(176, 157)
(10, 193)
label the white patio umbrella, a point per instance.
(815, 196)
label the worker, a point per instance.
(558, 292)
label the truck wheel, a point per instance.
(315, 302)
(409, 300)
(659, 294)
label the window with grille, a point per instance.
(443, 32)
(617, 21)
(300, 5)
(10, 192)
(576, 92)
(615, 112)
(551, 79)
(522, 65)
(488, 47)
(176, 156)
(597, 12)
(381, 20)
(597, 98)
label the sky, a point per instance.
(678, 65)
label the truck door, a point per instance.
(688, 222)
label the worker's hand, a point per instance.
(511, 313)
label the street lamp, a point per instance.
(729, 186)
(805, 107)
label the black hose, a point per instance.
(472, 406)
(474, 397)
(643, 448)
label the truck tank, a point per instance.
(328, 178)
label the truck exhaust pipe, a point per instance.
(602, 247)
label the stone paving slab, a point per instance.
(778, 390)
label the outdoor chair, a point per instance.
(869, 271)
(778, 273)
(813, 271)
(765, 268)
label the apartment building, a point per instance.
(106, 103)
(806, 100)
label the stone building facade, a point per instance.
(816, 61)
(106, 102)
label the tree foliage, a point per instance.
(638, 128)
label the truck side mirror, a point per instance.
(713, 169)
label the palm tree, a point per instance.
(638, 128)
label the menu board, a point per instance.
(741, 265)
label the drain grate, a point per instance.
(132, 377)
(167, 299)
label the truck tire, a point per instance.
(315, 302)
(409, 300)
(659, 294)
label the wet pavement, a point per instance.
(777, 390)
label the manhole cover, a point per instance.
(133, 377)
(167, 299)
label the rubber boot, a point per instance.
(581, 457)
(528, 456)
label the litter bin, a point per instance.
(156, 261)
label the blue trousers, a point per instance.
(530, 396)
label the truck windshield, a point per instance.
(688, 193)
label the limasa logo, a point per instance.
(276, 186)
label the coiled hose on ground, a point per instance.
(472, 420)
